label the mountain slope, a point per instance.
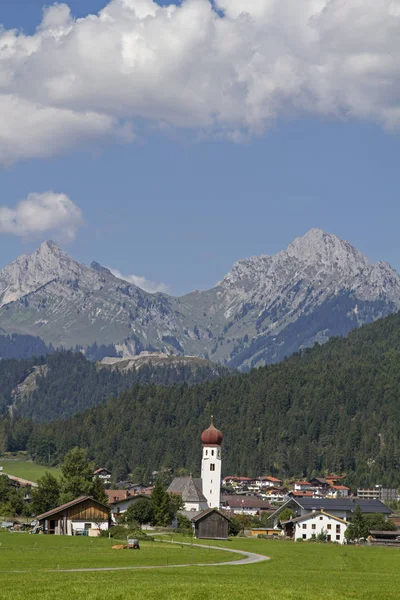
(330, 408)
(260, 312)
(63, 383)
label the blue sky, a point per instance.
(180, 206)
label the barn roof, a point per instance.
(204, 513)
(58, 509)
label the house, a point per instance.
(384, 538)
(338, 491)
(238, 483)
(301, 486)
(83, 515)
(191, 492)
(275, 494)
(103, 474)
(315, 523)
(245, 505)
(269, 481)
(120, 505)
(319, 482)
(337, 507)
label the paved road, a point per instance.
(249, 559)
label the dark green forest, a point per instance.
(70, 383)
(331, 408)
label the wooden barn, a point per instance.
(211, 524)
(83, 516)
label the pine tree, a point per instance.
(161, 505)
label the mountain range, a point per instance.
(264, 309)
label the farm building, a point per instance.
(83, 516)
(210, 524)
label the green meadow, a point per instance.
(26, 469)
(29, 569)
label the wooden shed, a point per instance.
(211, 524)
(83, 516)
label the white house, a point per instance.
(301, 486)
(315, 523)
(120, 505)
(338, 491)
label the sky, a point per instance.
(168, 142)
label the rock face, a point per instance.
(264, 309)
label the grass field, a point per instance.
(26, 469)
(295, 571)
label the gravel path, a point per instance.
(249, 559)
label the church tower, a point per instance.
(211, 465)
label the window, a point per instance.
(212, 467)
(210, 491)
(329, 526)
(206, 452)
(338, 537)
(212, 452)
(321, 518)
(328, 537)
(304, 525)
(304, 536)
(313, 526)
(337, 528)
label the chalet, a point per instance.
(245, 505)
(103, 474)
(269, 481)
(320, 482)
(338, 491)
(81, 516)
(309, 526)
(120, 505)
(337, 507)
(301, 486)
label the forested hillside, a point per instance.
(335, 407)
(22, 346)
(64, 383)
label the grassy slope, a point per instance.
(295, 571)
(26, 469)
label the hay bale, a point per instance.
(119, 547)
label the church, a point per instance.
(199, 494)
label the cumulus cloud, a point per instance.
(228, 69)
(42, 213)
(142, 282)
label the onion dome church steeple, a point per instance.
(211, 465)
(212, 436)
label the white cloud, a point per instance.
(142, 282)
(188, 66)
(42, 213)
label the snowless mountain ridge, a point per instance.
(265, 308)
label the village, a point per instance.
(214, 507)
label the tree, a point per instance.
(97, 491)
(139, 512)
(77, 478)
(47, 495)
(358, 527)
(378, 522)
(161, 505)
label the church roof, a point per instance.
(189, 488)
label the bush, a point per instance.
(120, 532)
